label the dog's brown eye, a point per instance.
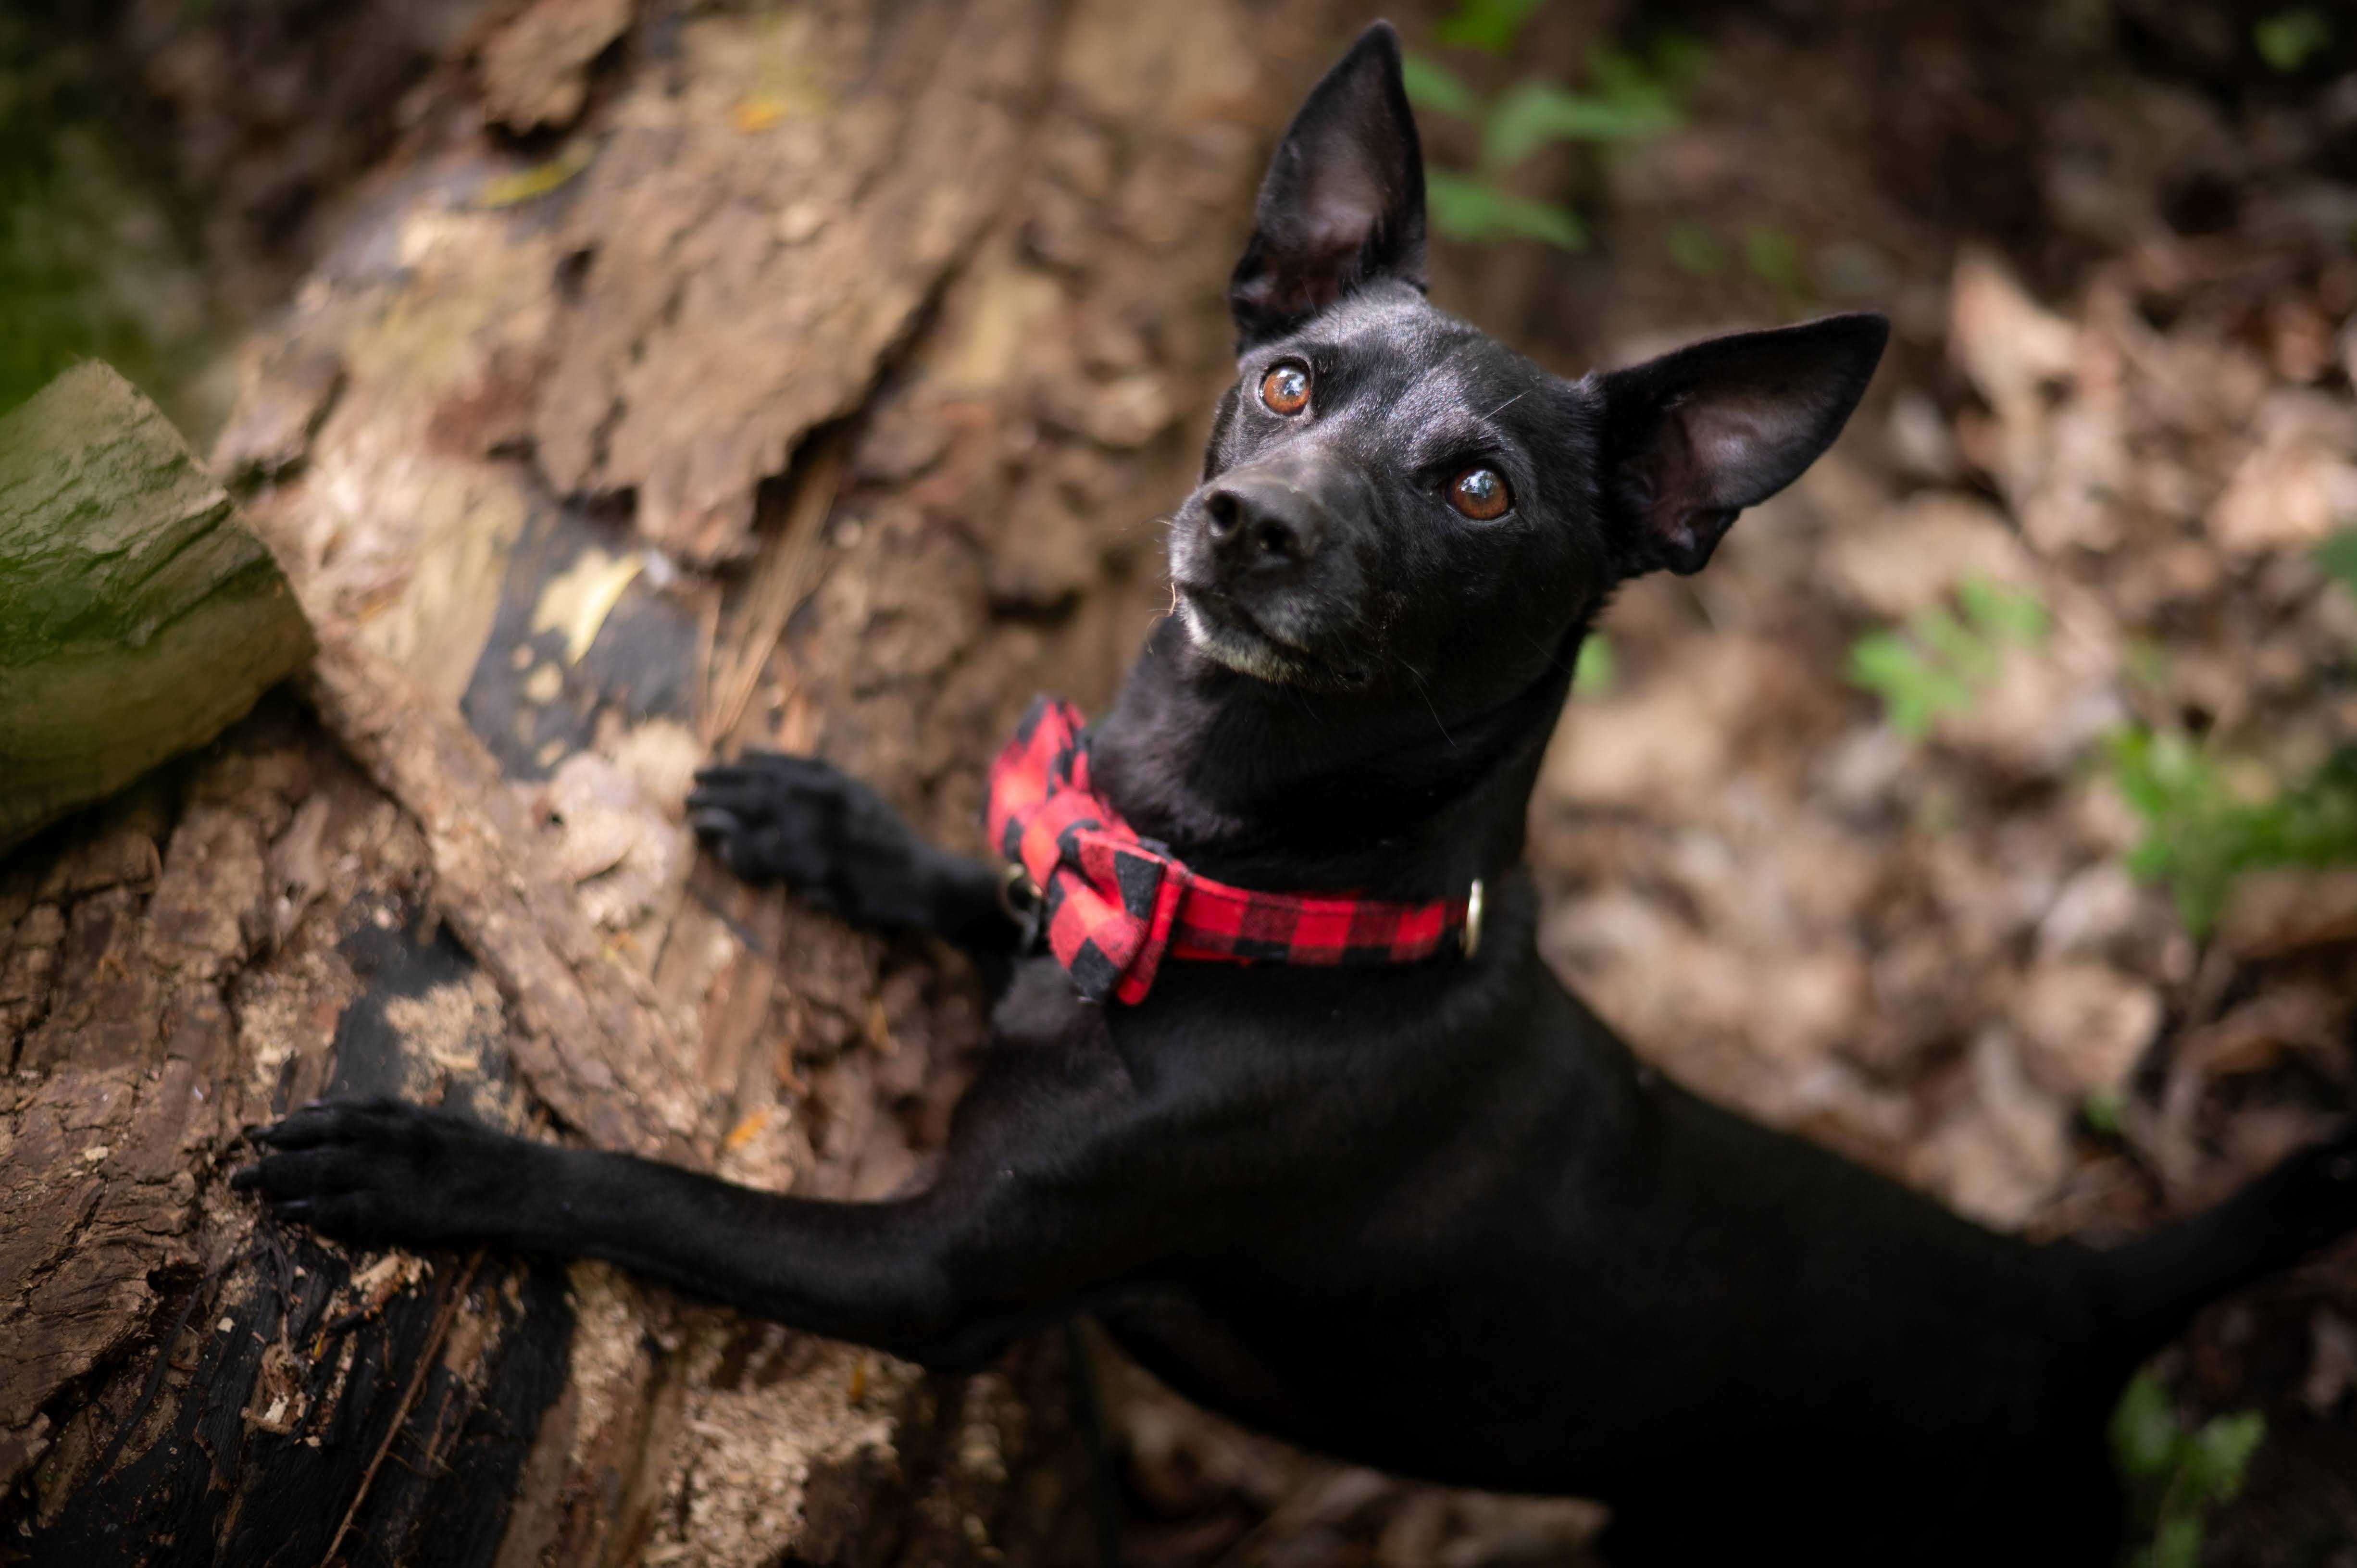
(1285, 389)
(1480, 493)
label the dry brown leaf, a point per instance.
(2084, 1024)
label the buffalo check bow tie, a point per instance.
(1114, 905)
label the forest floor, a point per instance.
(1984, 811)
(1978, 811)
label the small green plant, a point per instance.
(2289, 39)
(1939, 661)
(2174, 1476)
(2207, 823)
(1629, 95)
(1490, 24)
(2208, 819)
(1597, 666)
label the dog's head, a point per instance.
(1395, 504)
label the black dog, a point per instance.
(1429, 1215)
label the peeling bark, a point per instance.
(594, 1048)
(777, 160)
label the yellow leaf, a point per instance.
(757, 112)
(538, 180)
(747, 1130)
(579, 598)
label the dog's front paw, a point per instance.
(832, 840)
(384, 1172)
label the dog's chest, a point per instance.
(1041, 1011)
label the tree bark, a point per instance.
(815, 392)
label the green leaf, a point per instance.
(1593, 674)
(1492, 25)
(1432, 85)
(1534, 111)
(2144, 1430)
(1466, 208)
(1461, 207)
(2221, 1453)
(1557, 226)
(527, 185)
(1627, 79)
(2177, 1543)
(1915, 689)
(1962, 651)
(2007, 613)
(2289, 39)
(1679, 62)
(1939, 663)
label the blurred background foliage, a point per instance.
(2208, 816)
(97, 256)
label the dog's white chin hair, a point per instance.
(1244, 655)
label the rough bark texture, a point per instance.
(812, 387)
(139, 618)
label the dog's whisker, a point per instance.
(1508, 404)
(1422, 690)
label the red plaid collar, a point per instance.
(1114, 905)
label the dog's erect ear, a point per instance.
(1694, 437)
(1343, 200)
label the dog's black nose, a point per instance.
(1262, 521)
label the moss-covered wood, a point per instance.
(138, 617)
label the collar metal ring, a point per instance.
(1018, 894)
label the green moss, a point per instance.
(93, 262)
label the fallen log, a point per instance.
(139, 618)
(451, 864)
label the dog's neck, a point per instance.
(1272, 787)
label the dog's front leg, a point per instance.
(839, 845)
(912, 1276)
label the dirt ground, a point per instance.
(2119, 248)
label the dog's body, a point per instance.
(1434, 1215)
